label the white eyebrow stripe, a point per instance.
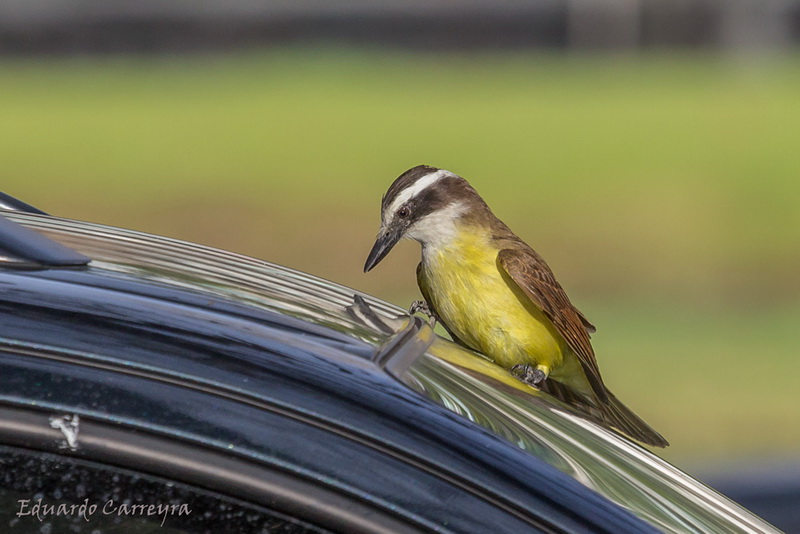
(415, 189)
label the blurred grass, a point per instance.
(664, 190)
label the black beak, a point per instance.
(387, 238)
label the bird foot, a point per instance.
(528, 374)
(420, 306)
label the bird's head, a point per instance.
(425, 204)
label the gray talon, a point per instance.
(420, 306)
(530, 375)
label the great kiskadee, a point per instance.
(494, 294)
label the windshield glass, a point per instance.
(613, 466)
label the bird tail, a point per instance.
(610, 414)
(623, 419)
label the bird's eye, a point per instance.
(403, 212)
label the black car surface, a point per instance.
(154, 385)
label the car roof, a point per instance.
(246, 340)
(185, 312)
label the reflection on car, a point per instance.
(142, 376)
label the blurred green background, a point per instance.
(662, 188)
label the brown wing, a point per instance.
(530, 272)
(425, 290)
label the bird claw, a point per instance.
(528, 374)
(420, 306)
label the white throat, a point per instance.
(438, 229)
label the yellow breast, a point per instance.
(474, 300)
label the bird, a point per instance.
(496, 295)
